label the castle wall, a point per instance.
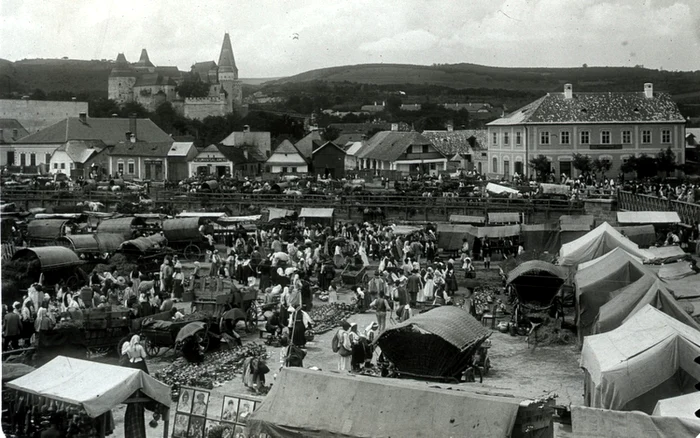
(121, 89)
(36, 115)
(149, 96)
(201, 107)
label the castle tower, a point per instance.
(228, 76)
(121, 81)
(145, 63)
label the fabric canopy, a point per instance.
(50, 257)
(238, 219)
(540, 238)
(555, 189)
(597, 423)
(642, 235)
(647, 358)
(96, 387)
(358, 406)
(498, 189)
(462, 219)
(675, 271)
(648, 217)
(275, 213)
(665, 254)
(403, 230)
(496, 232)
(316, 212)
(450, 236)
(576, 223)
(537, 281)
(596, 243)
(630, 299)
(683, 406)
(504, 217)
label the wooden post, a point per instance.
(166, 422)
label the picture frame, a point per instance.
(184, 400)
(200, 403)
(245, 408)
(196, 427)
(181, 425)
(209, 425)
(240, 431)
(228, 431)
(229, 409)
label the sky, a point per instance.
(274, 38)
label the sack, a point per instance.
(335, 343)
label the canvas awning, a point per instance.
(537, 281)
(46, 229)
(650, 356)
(463, 219)
(50, 257)
(665, 254)
(96, 387)
(120, 225)
(403, 230)
(450, 236)
(642, 235)
(316, 212)
(237, 219)
(647, 217)
(600, 241)
(359, 406)
(555, 189)
(496, 232)
(504, 217)
(198, 214)
(683, 406)
(576, 223)
(597, 423)
(276, 213)
(499, 189)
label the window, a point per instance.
(506, 167)
(505, 138)
(48, 158)
(495, 138)
(494, 165)
(585, 137)
(544, 137)
(605, 137)
(55, 165)
(284, 170)
(433, 166)
(565, 137)
(32, 159)
(15, 133)
(425, 148)
(666, 136)
(646, 136)
(626, 137)
(22, 160)
(294, 170)
(120, 167)
(10, 158)
(63, 165)
(131, 167)
(518, 138)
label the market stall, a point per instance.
(536, 281)
(323, 216)
(647, 217)
(90, 390)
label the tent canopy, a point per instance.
(183, 229)
(536, 281)
(50, 257)
(450, 236)
(94, 386)
(504, 217)
(464, 219)
(665, 254)
(498, 189)
(627, 301)
(316, 212)
(647, 217)
(197, 214)
(238, 219)
(635, 365)
(596, 243)
(143, 244)
(642, 235)
(376, 407)
(46, 229)
(683, 406)
(576, 223)
(596, 423)
(276, 213)
(403, 230)
(555, 189)
(120, 225)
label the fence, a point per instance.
(689, 213)
(8, 250)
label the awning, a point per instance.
(648, 217)
(665, 254)
(576, 223)
(197, 214)
(238, 219)
(683, 406)
(537, 281)
(403, 230)
(642, 235)
(462, 219)
(358, 406)
(275, 213)
(555, 189)
(316, 212)
(496, 232)
(498, 189)
(504, 217)
(50, 257)
(94, 386)
(595, 423)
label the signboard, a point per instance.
(605, 146)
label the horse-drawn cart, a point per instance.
(160, 333)
(184, 237)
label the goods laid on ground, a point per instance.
(328, 316)
(217, 367)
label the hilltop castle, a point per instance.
(144, 83)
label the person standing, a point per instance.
(381, 307)
(450, 281)
(486, 251)
(414, 285)
(344, 347)
(136, 354)
(12, 327)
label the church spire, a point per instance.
(144, 61)
(227, 63)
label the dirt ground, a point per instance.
(517, 369)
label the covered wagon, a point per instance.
(126, 226)
(47, 231)
(55, 262)
(184, 237)
(92, 245)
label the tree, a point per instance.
(103, 108)
(393, 103)
(666, 161)
(602, 166)
(330, 133)
(646, 166)
(542, 167)
(192, 86)
(582, 163)
(133, 108)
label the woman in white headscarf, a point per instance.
(43, 322)
(136, 353)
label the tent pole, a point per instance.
(166, 422)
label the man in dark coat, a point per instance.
(414, 285)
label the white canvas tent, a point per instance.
(499, 189)
(683, 406)
(648, 358)
(596, 243)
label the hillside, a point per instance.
(462, 76)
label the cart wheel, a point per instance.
(203, 341)
(151, 348)
(251, 319)
(192, 252)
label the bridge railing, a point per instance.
(689, 213)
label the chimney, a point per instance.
(132, 127)
(83, 118)
(246, 128)
(648, 90)
(127, 134)
(568, 91)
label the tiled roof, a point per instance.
(141, 149)
(349, 137)
(306, 144)
(8, 126)
(352, 148)
(79, 151)
(237, 154)
(329, 144)
(150, 79)
(458, 142)
(110, 130)
(609, 107)
(180, 149)
(389, 145)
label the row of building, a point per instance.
(609, 126)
